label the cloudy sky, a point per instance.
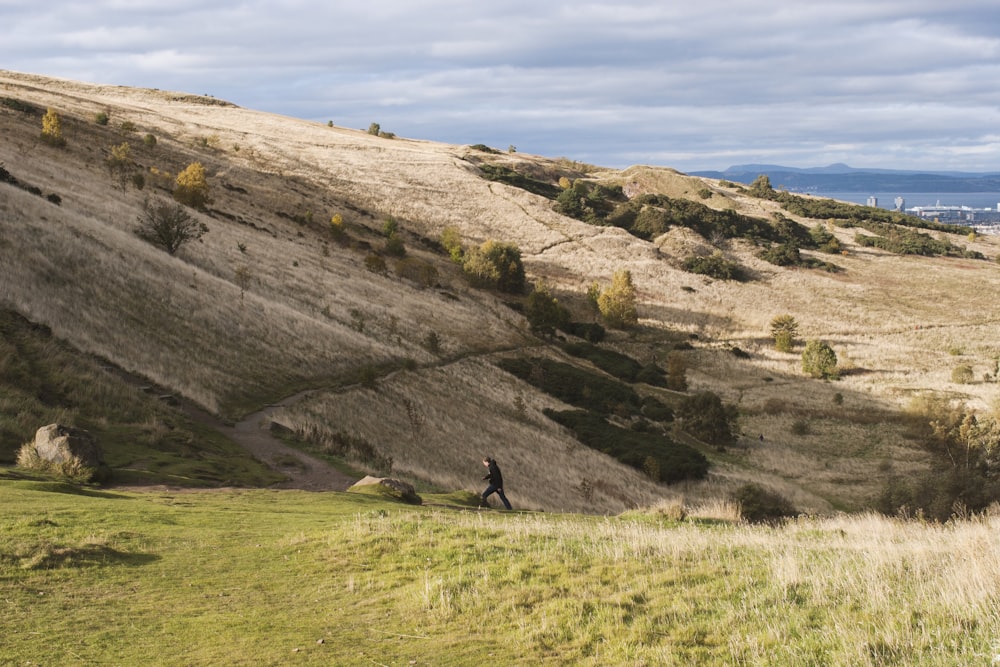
(909, 84)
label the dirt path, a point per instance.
(253, 433)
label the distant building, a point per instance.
(900, 203)
(873, 201)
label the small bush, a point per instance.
(760, 505)
(962, 374)
(101, 117)
(714, 266)
(376, 264)
(418, 271)
(820, 361)
(394, 246)
(592, 332)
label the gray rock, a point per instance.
(398, 488)
(57, 444)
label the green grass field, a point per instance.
(261, 577)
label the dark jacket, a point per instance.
(496, 479)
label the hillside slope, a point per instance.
(269, 302)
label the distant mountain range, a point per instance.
(842, 178)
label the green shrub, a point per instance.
(544, 312)
(820, 361)
(656, 455)
(715, 266)
(495, 265)
(101, 118)
(575, 386)
(512, 177)
(760, 505)
(614, 363)
(394, 246)
(707, 418)
(592, 332)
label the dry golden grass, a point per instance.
(312, 316)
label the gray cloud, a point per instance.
(890, 83)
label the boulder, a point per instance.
(392, 487)
(56, 443)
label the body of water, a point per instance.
(887, 200)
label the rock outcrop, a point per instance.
(393, 487)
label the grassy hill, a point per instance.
(263, 577)
(271, 302)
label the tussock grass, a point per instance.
(347, 579)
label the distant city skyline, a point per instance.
(693, 86)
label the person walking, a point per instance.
(496, 483)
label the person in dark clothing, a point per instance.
(496, 483)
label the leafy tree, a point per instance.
(618, 303)
(707, 418)
(374, 129)
(191, 186)
(121, 165)
(544, 312)
(168, 225)
(496, 265)
(820, 361)
(52, 128)
(784, 330)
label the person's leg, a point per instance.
(503, 498)
(490, 490)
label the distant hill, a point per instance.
(842, 178)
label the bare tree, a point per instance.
(168, 225)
